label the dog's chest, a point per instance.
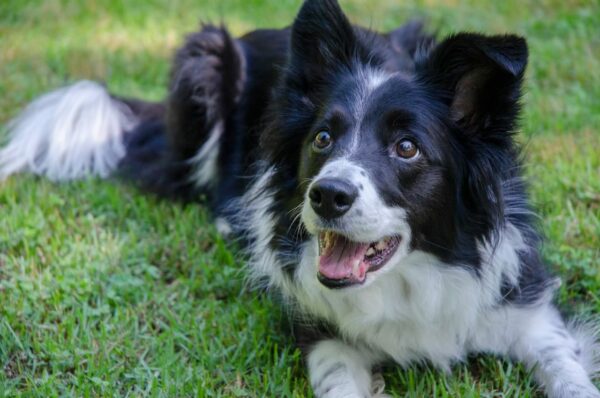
(422, 311)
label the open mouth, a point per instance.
(343, 262)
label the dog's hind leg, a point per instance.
(206, 83)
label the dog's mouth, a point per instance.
(343, 262)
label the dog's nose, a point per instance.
(331, 197)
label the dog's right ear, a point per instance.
(322, 42)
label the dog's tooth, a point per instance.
(381, 245)
(329, 238)
(356, 265)
(370, 251)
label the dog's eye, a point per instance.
(407, 149)
(322, 140)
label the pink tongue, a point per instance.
(344, 260)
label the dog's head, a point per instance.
(382, 162)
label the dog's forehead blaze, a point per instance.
(369, 96)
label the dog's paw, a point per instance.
(378, 387)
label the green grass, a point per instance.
(106, 292)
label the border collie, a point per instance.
(373, 178)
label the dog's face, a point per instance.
(376, 174)
(392, 161)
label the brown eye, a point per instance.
(322, 140)
(407, 149)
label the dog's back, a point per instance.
(202, 140)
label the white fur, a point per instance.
(223, 226)
(70, 133)
(368, 82)
(205, 161)
(369, 219)
(254, 216)
(544, 343)
(587, 333)
(338, 370)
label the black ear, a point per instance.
(479, 77)
(409, 38)
(322, 40)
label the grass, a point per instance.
(106, 292)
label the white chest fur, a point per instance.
(416, 309)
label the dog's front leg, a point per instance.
(338, 369)
(562, 360)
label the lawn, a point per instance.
(107, 292)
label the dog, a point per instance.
(374, 180)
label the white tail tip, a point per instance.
(69, 133)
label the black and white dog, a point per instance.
(373, 177)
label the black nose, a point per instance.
(331, 197)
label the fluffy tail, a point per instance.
(171, 149)
(70, 133)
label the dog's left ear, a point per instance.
(479, 77)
